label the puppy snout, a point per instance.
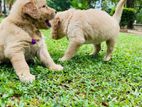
(52, 15)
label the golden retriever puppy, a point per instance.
(21, 39)
(87, 26)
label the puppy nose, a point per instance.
(54, 12)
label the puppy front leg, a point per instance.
(47, 60)
(21, 67)
(72, 48)
(97, 48)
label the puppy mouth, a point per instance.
(47, 23)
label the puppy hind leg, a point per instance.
(110, 46)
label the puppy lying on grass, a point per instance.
(21, 39)
(87, 26)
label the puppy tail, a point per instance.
(119, 9)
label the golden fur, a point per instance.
(17, 32)
(87, 26)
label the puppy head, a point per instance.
(60, 23)
(57, 28)
(38, 11)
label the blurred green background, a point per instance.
(107, 5)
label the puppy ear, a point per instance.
(56, 25)
(57, 22)
(31, 10)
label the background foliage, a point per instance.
(128, 17)
(139, 16)
(107, 5)
(61, 5)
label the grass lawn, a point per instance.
(84, 82)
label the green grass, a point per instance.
(85, 81)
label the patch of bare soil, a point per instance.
(135, 32)
(131, 31)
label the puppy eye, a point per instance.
(43, 6)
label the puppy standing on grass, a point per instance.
(87, 26)
(21, 40)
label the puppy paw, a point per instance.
(56, 68)
(63, 59)
(107, 58)
(27, 78)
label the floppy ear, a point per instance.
(31, 10)
(56, 25)
(57, 22)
